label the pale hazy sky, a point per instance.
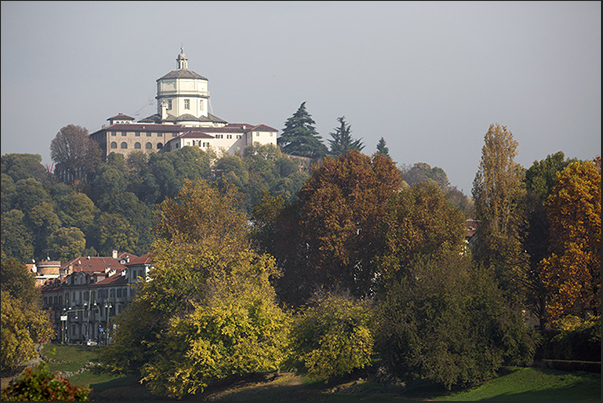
(429, 77)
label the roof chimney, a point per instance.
(114, 255)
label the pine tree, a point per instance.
(382, 148)
(342, 139)
(300, 137)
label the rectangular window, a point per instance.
(124, 133)
(158, 134)
(137, 134)
(113, 133)
(229, 136)
(187, 104)
(148, 134)
(169, 105)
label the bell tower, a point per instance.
(181, 60)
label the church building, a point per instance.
(182, 119)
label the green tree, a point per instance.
(299, 137)
(232, 169)
(572, 274)
(497, 193)
(332, 335)
(76, 210)
(342, 140)
(23, 166)
(382, 147)
(42, 221)
(8, 190)
(66, 243)
(17, 239)
(114, 233)
(447, 321)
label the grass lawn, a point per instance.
(533, 384)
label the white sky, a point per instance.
(429, 77)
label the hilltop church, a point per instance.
(182, 119)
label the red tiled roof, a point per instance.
(144, 259)
(121, 116)
(152, 127)
(264, 128)
(94, 264)
(116, 279)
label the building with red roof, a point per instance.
(91, 291)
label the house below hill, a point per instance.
(90, 293)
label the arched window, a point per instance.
(137, 145)
(148, 146)
(113, 144)
(159, 146)
(124, 145)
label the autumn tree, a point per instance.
(342, 140)
(572, 274)
(209, 310)
(540, 180)
(496, 193)
(24, 323)
(419, 222)
(329, 235)
(74, 152)
(299, 137)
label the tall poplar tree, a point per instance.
(496, 193)
(300, 137)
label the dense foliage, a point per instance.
(371, 260)
(447, 321)
(572, 274)
(42, 217)
(332, 335)
(24, 323)
(209, 310)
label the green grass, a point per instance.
(533, 384)
(69, 357)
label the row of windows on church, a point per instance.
(137, 145)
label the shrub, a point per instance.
(41, 384)
(332, 336)
(582, 342)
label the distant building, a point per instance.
(182, 119)
(90, 293)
